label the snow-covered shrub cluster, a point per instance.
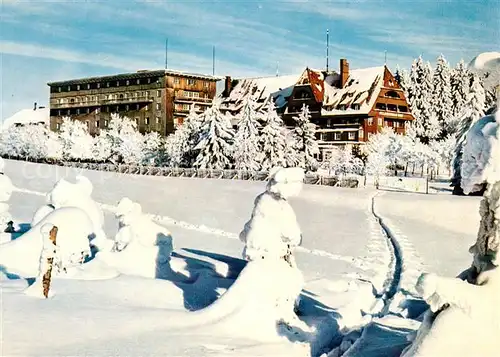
(388, 150)
(120, 142)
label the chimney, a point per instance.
(227, 86)
(344, 72)
(34, 106)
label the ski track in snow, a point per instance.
(387, 243)
(169, 221)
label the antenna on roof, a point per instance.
(385, 58)
(166, 53)
(327, 46)
(277, 68)
(213, 61)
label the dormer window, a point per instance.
(341, 107)
(355, 106)
(392, 94)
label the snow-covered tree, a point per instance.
(54, 146)
(215, 146)
(460, 86)
(292, 154)
(180, 146)
(126, 142)
(419, 97)
(102, 147)
(343, 163)
(442, 100)
(273, 139)
(307, 145)
(151, 147)
(378, 161)
(76, 141)
(246, 150)
(474, 110)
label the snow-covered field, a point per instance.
(361, 253)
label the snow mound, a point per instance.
(21, 256)
(259, 302)
(472, 316)
(487, 63)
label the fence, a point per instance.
(310, 178)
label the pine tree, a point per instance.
(216, 140)
(474, 110)
(442, 103)
(419, 96)
(272, 139)
(292, 154)
(306, 139)
(460, 87)
(246, 153)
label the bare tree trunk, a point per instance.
(48, 273)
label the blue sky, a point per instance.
(42, 41)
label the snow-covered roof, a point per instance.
(260, 89)
(28, 116)
(357, 95)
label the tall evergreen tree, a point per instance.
(460, 87)
(216, 140)
(246, 153)
(442, 102)
(474, 110)
(306, 139)
(272, 139)
(419, 95)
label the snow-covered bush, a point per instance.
(272, 231)
(137, 229)
(67, 194)
(21, 256)
(271, 236)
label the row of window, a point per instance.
(108, 84)
(187, 107)
(387, 122)
(121, 83)
(392, 107)
(107, 109)
(112, 96)
(337, 136)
